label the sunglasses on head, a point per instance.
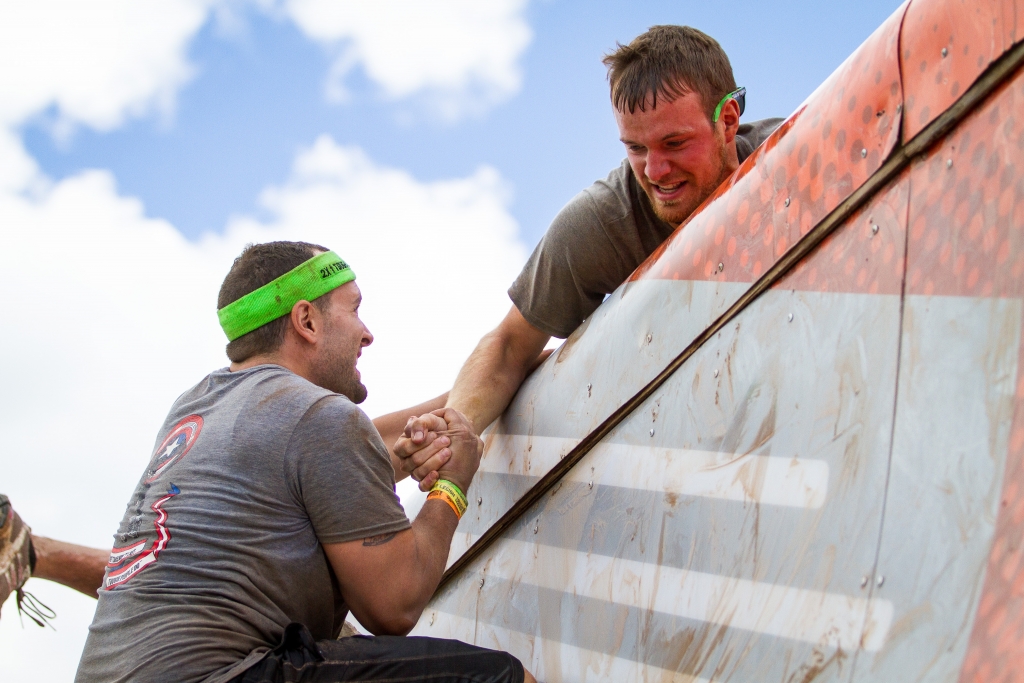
(739, 94)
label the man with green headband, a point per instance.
(268, 511)
(678, 112)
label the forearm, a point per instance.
(433, 532)
(417, 559)
(391, 425)
(488, 380)
(74, 566)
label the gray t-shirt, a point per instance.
(220, 547)
(595, 242)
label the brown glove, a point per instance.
(17, 560)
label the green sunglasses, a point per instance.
(739, 94)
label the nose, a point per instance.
(367, 337)
(657, 167)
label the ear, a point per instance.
(306, 321)
(729, 121)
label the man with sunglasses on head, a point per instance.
(678, 111)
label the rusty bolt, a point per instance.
(949, 163)
(945, 52)
(787, 201)
(790, 317)
(721, 266)
(863, 582)
(874, 228)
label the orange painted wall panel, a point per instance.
(945, 45)
(865, 255)
(967, 205)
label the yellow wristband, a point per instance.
(447, 498)
(454, 491)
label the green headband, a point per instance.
(305, 282)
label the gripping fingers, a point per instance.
(429, 481)
(417, 429)
(427, 453)
(432, 464)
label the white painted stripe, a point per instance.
(770, 480)
(548, 660)
(811, 616)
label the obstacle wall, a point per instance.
(819, 470)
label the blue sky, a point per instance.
(258, 97)
(141, 145)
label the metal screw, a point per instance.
(536, 526)
(716, 373)
(787, 201)
(863, 582)
(590, 485)
(790, 317)
(652, 431)
(874, 228)
(949, 163)
(880, 581)
(481, 583)
(945, 52)
(863, 153)
(479, 501)
(721, 267)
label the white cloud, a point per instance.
(462, 55)
(109, 315)
(96, 62)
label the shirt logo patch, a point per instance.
(178, 442)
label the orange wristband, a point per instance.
(446, 497)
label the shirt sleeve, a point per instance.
(750, 136)
(576, 263)
(342, 474)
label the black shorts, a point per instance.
(380, 658)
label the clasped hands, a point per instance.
(440, 444)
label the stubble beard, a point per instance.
(336, 371)
(675, 212)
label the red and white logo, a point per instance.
(178, 442)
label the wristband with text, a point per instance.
(450, 494)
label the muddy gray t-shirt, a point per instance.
(220, 547)
(596, 242)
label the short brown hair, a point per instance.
(670, 61)
(257, 265)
